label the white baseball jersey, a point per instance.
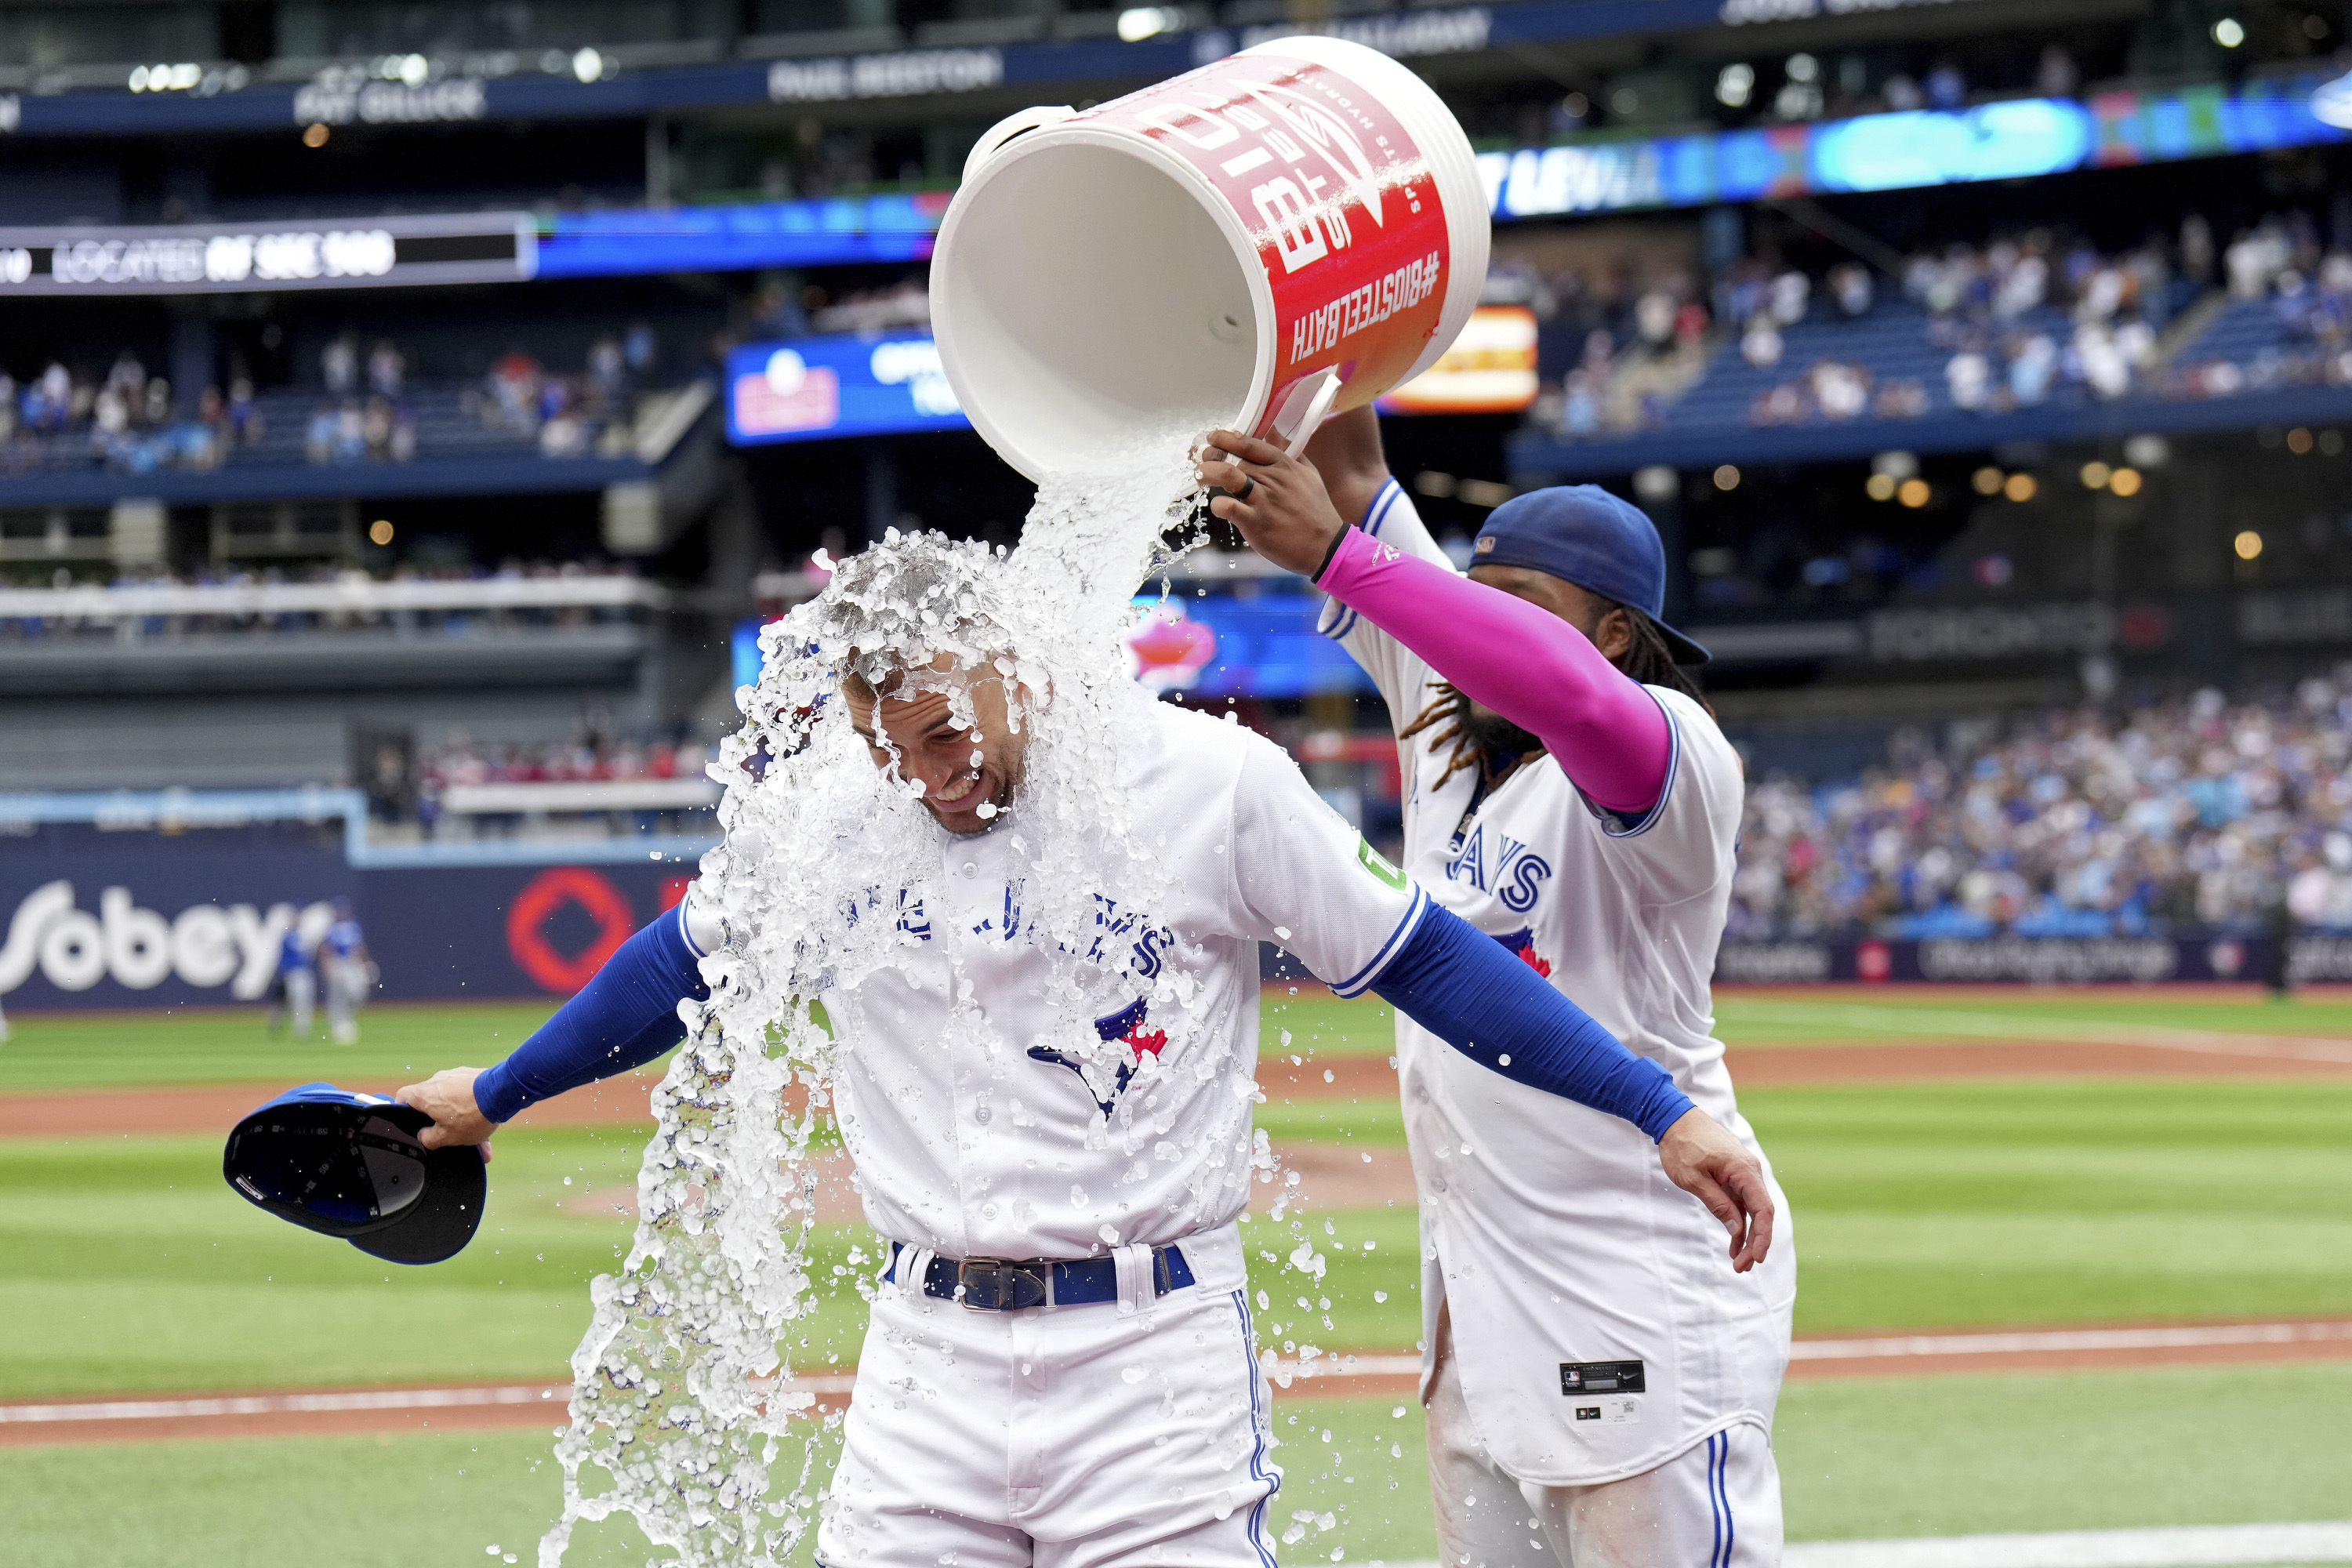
(1566, 1255)
(984, 1139)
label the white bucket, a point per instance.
(1289, 230)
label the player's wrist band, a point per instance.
(1000, 1285)
(1337, 540)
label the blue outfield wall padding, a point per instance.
(197, 920)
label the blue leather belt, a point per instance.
(1000, 1285)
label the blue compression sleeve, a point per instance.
(623, 1018)
(1465, 987)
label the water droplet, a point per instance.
(1130, 1375)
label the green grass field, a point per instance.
(1863, 1459)
(126, 1265)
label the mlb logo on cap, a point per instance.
(350, 1164)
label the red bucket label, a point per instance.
(1340, 200)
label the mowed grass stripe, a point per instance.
(1872, 1014)
(2054, 1201)
(1897, 1458)
(133, 1266)
(400, 1043)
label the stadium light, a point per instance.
(1880, 487)
(1727, 477)
(2095, 474)
(588, 66)
(1734, 85)
(2229, 33)
(1143, 22)
(2020, 486)
(2124, 482)
(1913, 493)
(2247, 545)
(2331, 103)
(2298, 441)
(380, 531)
(1987, 480)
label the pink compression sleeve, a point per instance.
(1610, 735)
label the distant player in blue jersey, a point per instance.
(349, 976)
(294, 989)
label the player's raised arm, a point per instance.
(623, 1018)
(1503, 652)
(1309, 881)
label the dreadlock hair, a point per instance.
(1649, 660)
(1496, 746)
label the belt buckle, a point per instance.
(1003, 1281)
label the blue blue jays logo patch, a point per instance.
(1126, 1025)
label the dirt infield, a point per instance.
(465, 1407)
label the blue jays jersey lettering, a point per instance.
(1059, 1110)
(1600, 1259)
(1511, 871)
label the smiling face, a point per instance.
(965, 775)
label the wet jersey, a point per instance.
(981, 1127)
(1599, 1327)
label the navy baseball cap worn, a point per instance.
(1600, 542)
(350, 1164)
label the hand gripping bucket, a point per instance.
(1291, 230)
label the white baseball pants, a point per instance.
(1717, 1505)
(1058, 1438)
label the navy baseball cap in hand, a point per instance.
(350, 1164)
(1585, 535)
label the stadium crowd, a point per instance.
(2199, 813)
(2019, 321)
(126, 421)
(126, 625)
(367, 406)
(567, 415)
(597, 751)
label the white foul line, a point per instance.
(2069, 1340)
(354, 1399)
(1930, 1021)
(2180, 1546)
(1921, 1346)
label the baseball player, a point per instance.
(1060, 1367)
(1598, 1378)
(294, 988)
(348, 972)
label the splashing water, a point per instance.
(681, 1397)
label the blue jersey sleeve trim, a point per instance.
(1356, 985)
(1623, 825)
(1479, 998)
(686, 930)
(624, 1018)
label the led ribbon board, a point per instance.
(2003, 140)
(813, 389)
(220, 258)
